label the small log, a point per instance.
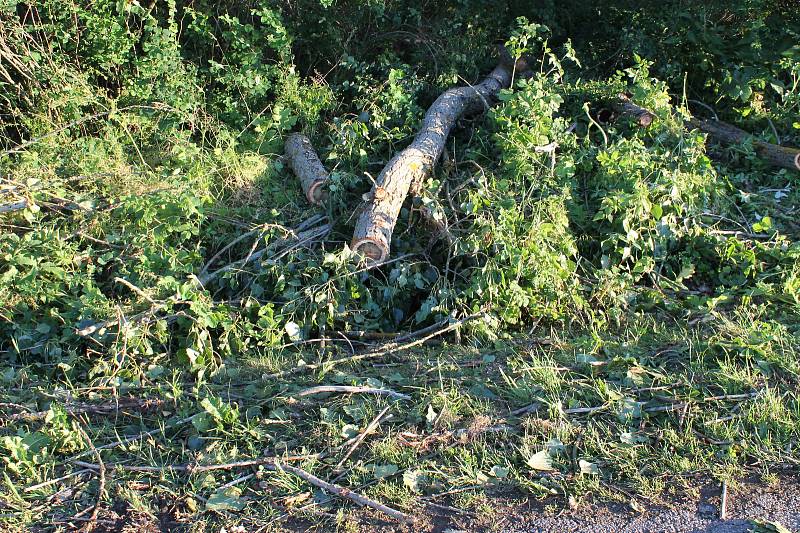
(373, 232)
(626, 108)
(305, 164)
(776, 155)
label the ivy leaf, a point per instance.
(382, 471)
(499, 471)
(349, 431)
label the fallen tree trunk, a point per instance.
(774, 154)
(305, 164)
(373, 232)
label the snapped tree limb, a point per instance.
(305, 164)
(373, 232)
(774, 154)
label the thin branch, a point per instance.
(89, 526)
(274, 465)
(393, 348)
(49, 482)
(348, 389)
(369, 429)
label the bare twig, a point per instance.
(343, 492)
(110, 408)
(369, 429)
(353, 390)
(89, 526)
(16, 206)
(393, 347)
(195, 468)
(723, 508)
(49, 482)
(274, 465)
(134, 438)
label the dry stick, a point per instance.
(195, 468)
(353, 390)
(305, 164)
(133, 438)
(274, 465)
(387, 349)
(369, 429)
(16, 206)
(373, 232)
(93, 409)
(57, 480)
(302, 237)
(723, 510)
(343, 492)
(240, 238)
(102, 485)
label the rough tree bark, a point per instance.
(776, 155)
(373, 232)
(305, 164)
(626, 108)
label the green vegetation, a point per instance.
(638, 288)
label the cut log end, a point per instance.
(626, 108)
(306, 165)
(371, 249)
(797, 161)
(317, 194)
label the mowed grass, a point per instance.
(635, 414)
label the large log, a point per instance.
(305, 163)
(774, 154)
(373, 232)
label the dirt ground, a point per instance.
(697, 511)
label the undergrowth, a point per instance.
(637, 288)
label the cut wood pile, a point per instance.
(405, 172)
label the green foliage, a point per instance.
(145, 141)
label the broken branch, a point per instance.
(373, 232)
(775, 155)
(305, 164)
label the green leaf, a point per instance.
(587, 467)
(382, 471)
(431, 415)
(541, 461)
(414, 480)
(499, 471)
(349, 431)
(226, 500)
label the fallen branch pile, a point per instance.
(406, 171)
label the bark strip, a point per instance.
(373, 232)
(774, 154)
(305, 164)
